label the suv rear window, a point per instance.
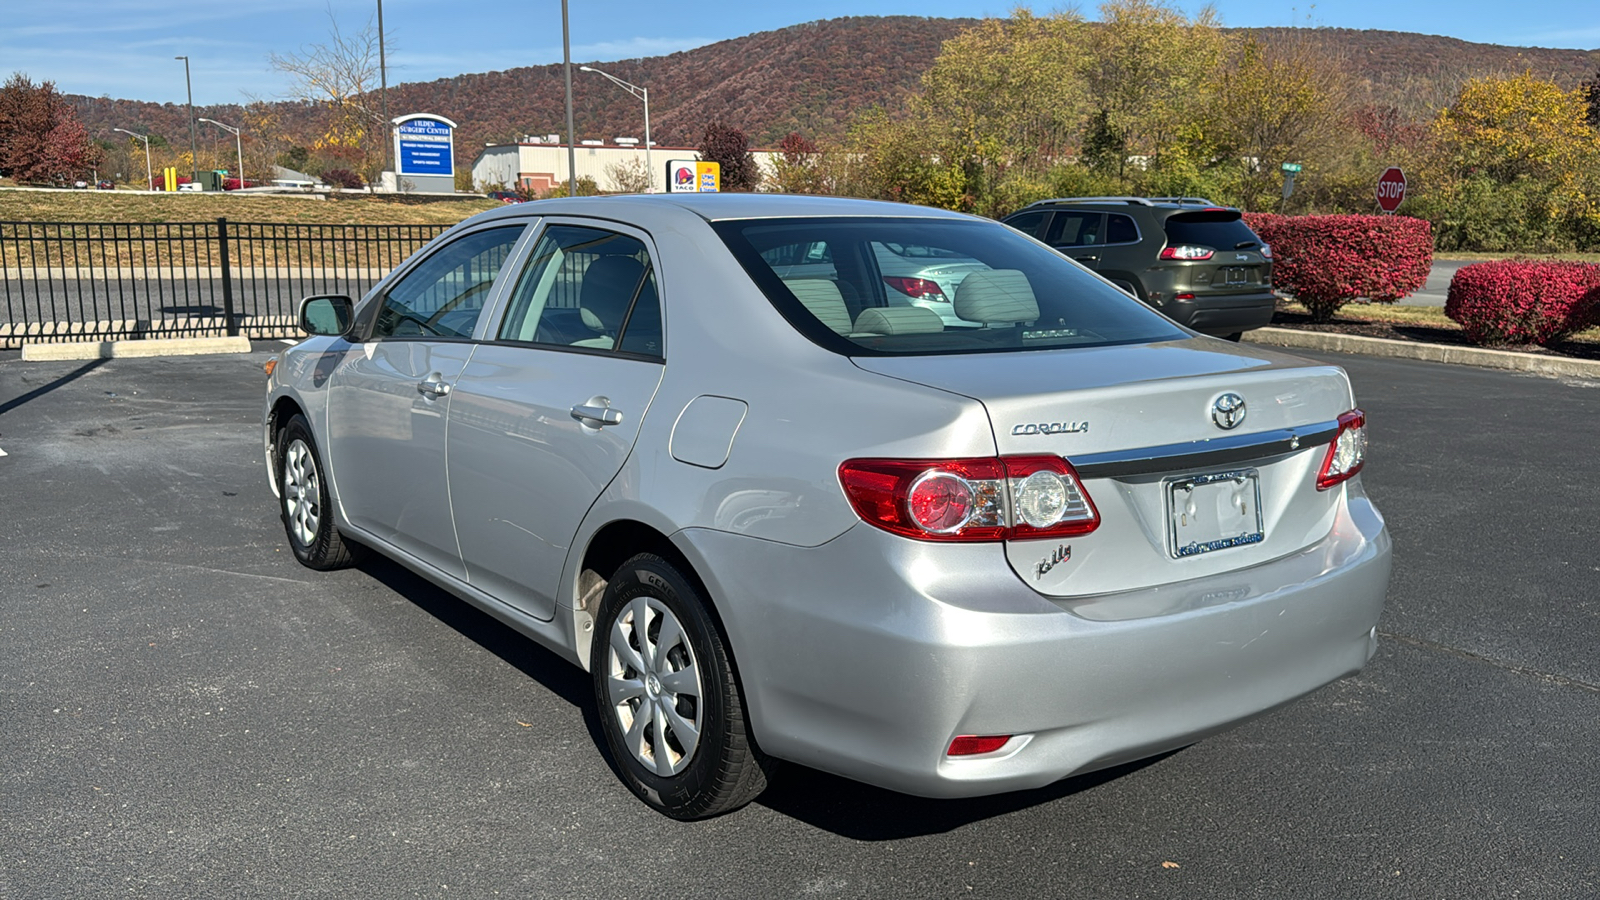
(1222, 229)
(868, 286)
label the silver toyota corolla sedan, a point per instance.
(780, 515)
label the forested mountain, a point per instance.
(813, 78)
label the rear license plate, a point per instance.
(1213, 512)
(1237, 276)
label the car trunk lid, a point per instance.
(1139, 421)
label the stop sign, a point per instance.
(1391, 188)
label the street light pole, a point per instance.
(148, 175)
(194, 154)
(238, 145)
(572, 139)
(642, 94)
(383, 95)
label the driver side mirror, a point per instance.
(326, 314)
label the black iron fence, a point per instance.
(86, 281)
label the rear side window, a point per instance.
(588, 288)
(1028, 223)
(1218, 229)
(1121, 230)
(932, 286)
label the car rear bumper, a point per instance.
(867, 655)
(1224, 315)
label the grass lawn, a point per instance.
(349, 208)
(1424, 316)
(1485, 257)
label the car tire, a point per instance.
(303, 501)
(1236, 337)
(669, 700)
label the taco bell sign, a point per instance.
(424, 148)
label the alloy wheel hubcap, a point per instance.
(301, 492)
(653, 683)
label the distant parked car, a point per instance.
(106, 185)
(192, 187)
(1193, 260)
(700, 446)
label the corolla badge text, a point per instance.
(1051, 428)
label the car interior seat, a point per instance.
(996, 297)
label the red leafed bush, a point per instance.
(1328, 261)
(1520, 301)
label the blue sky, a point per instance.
(126, 48)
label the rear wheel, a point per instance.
(669, 701)
(303, 501)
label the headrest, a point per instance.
(822, 298)
(899, 320)
(608, 286)
(996, 295)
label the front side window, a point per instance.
(975, 287)
(444, 296)
(587, 288)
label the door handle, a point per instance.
(596, 416)
(1087, 258)
(436, 387)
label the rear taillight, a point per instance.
(1266, 251)
(1187, 252)
(915, 288)
(983, 499)
(1347, 453)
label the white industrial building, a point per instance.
(540, 163)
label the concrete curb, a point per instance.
(140, 348)
(1531, 363)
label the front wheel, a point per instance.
(669, 701)
(303, 501)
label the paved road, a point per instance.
(1433, 293)
(188, 713)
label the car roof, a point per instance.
(1164, 204)
(717, 207)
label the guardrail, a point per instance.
(83, 281)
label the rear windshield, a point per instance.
(1217, 229)
(865, 286)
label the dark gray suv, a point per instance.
(1197, 262)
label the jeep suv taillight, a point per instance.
(1187, 252)
(982, 499)
(1348, 452)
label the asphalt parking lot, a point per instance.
(186, 712)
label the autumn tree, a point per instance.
(629, 176)
(1281, 102)
(341, 78)
(1016, 79)
(1147, 68)
(41, 139)
(799, 167)
(728, 147)
(1591, 98)
(1516, 166)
